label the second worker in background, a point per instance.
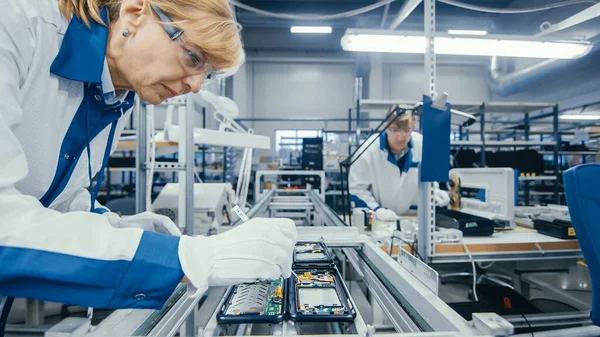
(385, 178)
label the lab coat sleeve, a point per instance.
(74, 257)
(359, 182)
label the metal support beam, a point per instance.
(426, 210)
(555, 159)
(583, 16)
(141, 155)
(526, 130)
(190, 327)
(386, 9)
(482, 133)
(407, 7)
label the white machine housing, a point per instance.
(210, 200)
(499, 187)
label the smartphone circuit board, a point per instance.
(319, 295)
(257, 302)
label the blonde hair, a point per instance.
(402, 122)
(211, 24)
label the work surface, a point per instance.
(517, 244)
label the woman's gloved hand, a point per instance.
(147, 221)
(258, 249)
(384, 214)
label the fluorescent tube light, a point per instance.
(311, 29)
(375, 41)
(467, 32)
(580, 117)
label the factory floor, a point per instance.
(573, 282)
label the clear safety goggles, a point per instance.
(193, 58)
(400, 132)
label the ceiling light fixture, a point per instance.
(311, 29)
(580, 117)
(446, 44)
(467, 32)
(587, 113)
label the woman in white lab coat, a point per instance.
(69, 70)
(385, 177)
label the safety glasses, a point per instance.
(193, 59)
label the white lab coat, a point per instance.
(375, 179)
(64, 253)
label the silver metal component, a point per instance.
(407, 7)
(586, 331)
(419, 269)
(400, 318)
(550, 319)
(69, 327)
(258, 193)
(34, 312)
(180, 313)
(249, 299)
(141, 138)
(166, 166)
(188, 175)
(426, 202)
(587, 14)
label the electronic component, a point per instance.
(468, 224)
(319, 295)
(491, 324)
(258, 302)
(557, 228)
(311, 254)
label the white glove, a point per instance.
(147, 221)
(441, 197)
(384, 214)
(258, 249)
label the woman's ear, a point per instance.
(132, 14)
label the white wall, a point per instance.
(295, 89)
(462, 82)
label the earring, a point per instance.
(125, 32)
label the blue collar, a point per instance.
(81, 55)
(384, 146)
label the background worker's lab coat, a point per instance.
(51, 110)
(376, 180)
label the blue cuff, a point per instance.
(358, 202)
(153, 274)
(100, 210)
